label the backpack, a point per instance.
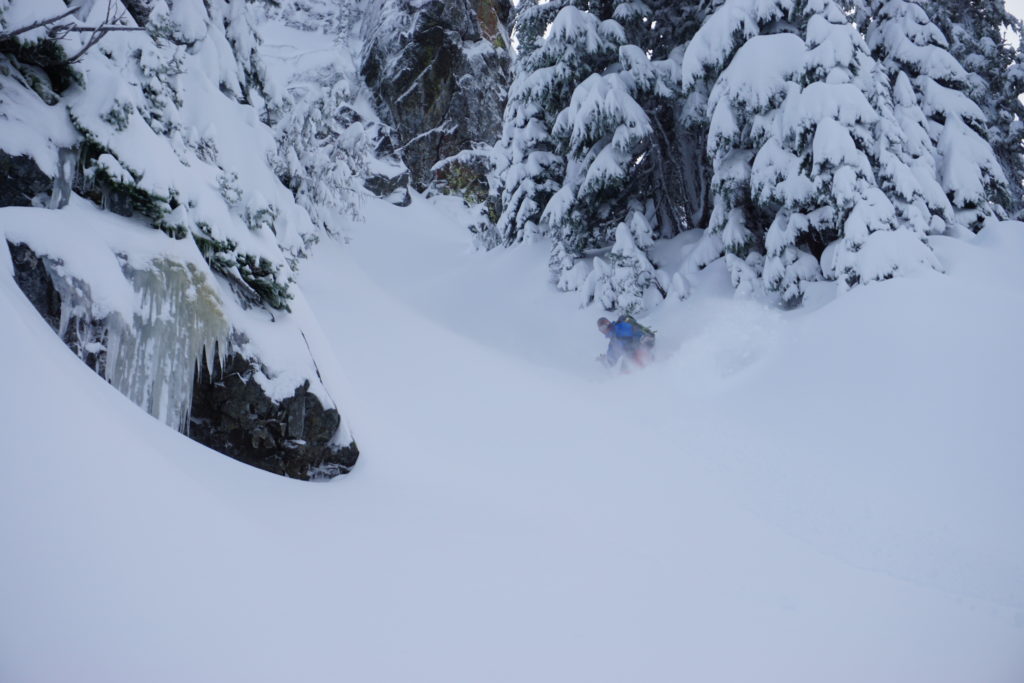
(646, 336)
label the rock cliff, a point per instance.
(439, 71)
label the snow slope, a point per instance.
(835, 494)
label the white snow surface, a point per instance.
(831, 495)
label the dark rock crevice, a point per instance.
(23, 182)
(232, 414)
(82, 334)
(139, 9)
(34, 279)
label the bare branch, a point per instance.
(38, 24)
(111, 22)
(104, 29)
(97, 36)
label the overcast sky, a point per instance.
(1016, 7)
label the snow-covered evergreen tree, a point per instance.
(904, 39)
(528, 166)
(801, 135)
(747, 77)
(675, 22)
(615, 191)
(980, 38)
(871, 199)
(625, 278)
(681, 127)
(322, 130)
(603, 132)
(906, 157)
(580, 158)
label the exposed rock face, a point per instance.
(232, 414)
(83, 335)
(34, 280)
(230, 411)
(387, 176)
(21, 180)
(392, 185)
(139, 9)
(439, 70)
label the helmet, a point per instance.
(603, 324)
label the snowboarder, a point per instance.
(628, 341)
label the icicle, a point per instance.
(65, 179)
(153, 360)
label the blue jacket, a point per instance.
(622, 338)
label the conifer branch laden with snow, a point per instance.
(811, 141)
(980, 36)
(906, 41)
(586, 148)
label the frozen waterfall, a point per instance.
(149, 350)
(152, 360)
